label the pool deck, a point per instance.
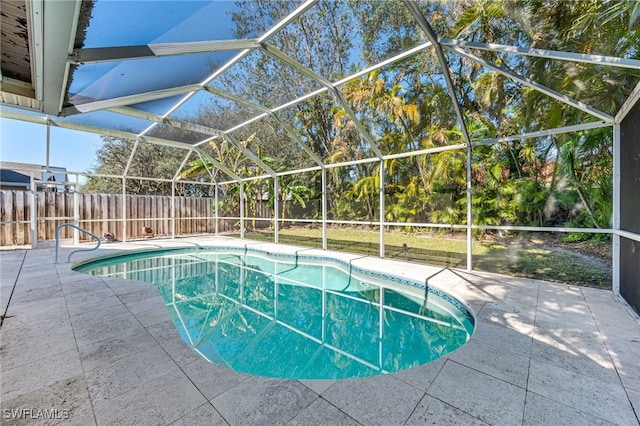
(91, 350)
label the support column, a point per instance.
(173, 209)
(626, 260)
(76, 213)
(241, 210)
(215, 207)
(469, 212)
(276, 210)
(324, 208)
(616, 210)
(381, 191)
(48, 145)
(124, 210)
(626, 203)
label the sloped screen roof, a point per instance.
(325, 82)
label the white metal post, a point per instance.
(381, 323)
(276, 210)
(324, 208)
(48, 145)
(469, 212)
(173, 209)
(241, 210)
(381, 191)
(124, 209)
(215, 206)
(616, 209)
(34, 213)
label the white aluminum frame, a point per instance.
(65, 16)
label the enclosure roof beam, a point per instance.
(267, 111)
(190, 126)
(204, 156)
(303, 98)
(631, 101)
(244, 124)
(206, 166)
(431, 35)
(293, 15)
(238, 99)
(545, 53)
(543, 133)
(247, 152)
(491, 141)
(283, 57)
(300, 171)
(125, 172)
(121, 53)
(276, 53)
(130, 99)
(354, 119)
(389, 61)
(287, 19)
(530, 83)
(184, 162)
(298, 140)
(53, 121)
(173, 122)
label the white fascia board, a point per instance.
(36, 45)
(59, 30)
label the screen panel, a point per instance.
(629, 207)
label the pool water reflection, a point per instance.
(295, 317)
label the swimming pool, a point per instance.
(295, 316)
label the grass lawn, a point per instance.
(530, 257)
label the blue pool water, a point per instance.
(294, 317)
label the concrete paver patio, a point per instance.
(92, 350)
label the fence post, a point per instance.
(34, 214)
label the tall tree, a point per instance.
(149, 160)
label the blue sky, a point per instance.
(26, 143)
(114, 23)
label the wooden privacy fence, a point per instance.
(100, 213)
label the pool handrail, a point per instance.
(75, 251)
